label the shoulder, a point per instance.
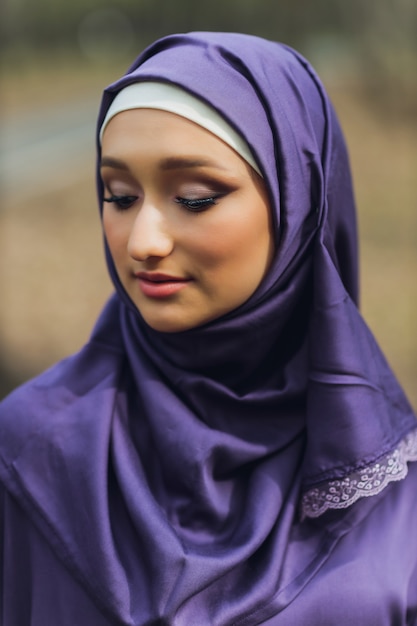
(382, 547)
(65, 394)
(400, 505)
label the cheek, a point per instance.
(242, 243)
(116, 234)
(216, 248)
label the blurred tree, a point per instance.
(378, 29)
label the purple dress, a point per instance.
(255, 470)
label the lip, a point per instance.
(157, 285)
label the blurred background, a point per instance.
(57, 56)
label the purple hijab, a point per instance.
(183, 465)
(298, 352)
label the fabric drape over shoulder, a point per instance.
(206, 477)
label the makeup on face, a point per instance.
(186, 220)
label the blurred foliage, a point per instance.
(377, 37)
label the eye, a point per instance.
(198, 204)
(122, 202)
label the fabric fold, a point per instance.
(166, 471)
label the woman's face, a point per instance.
(188, 224)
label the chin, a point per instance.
(168, 326)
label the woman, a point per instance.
(204, 460)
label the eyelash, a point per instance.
(122, 202)
(198, 205)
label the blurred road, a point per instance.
(47, 148)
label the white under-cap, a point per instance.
(166, 97)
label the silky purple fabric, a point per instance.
(157, 478)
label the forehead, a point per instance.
(146, 119)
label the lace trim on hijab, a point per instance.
(368, 481)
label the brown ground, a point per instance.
(53, 280)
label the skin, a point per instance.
(221, 247)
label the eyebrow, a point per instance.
(174, 163)
(111, 162)
(170, 163)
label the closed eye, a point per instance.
(122, 202)
(198, 204)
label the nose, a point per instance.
(149, 235)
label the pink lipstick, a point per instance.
(156, 285)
